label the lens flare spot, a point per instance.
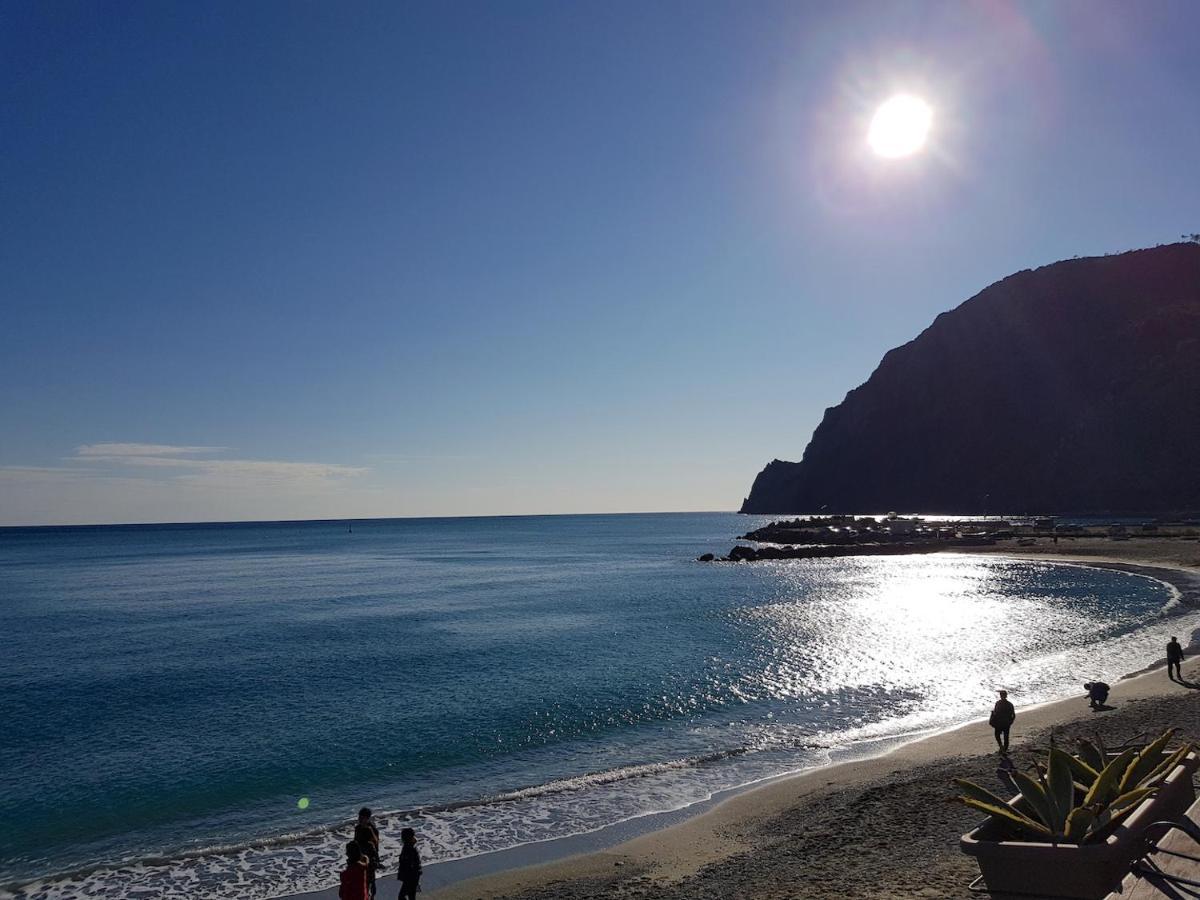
(302, 803)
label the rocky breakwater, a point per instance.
(825, 538)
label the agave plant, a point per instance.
(1076, 799)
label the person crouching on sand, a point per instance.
(1002, 717)
(1097, 693)
(354, 876)
(410, 865)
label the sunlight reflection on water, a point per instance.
(933, 636)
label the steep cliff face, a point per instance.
(1070, 388)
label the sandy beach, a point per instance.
(879, 827)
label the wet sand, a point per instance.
(878, 828)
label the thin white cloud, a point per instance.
(267, 470)
(110, 460)
(120, 460)
(243, 469)
(129, 482)
(416, 457)
(38, 473)
(113, 450)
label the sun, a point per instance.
(900, 126)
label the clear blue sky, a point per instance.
(289, 260)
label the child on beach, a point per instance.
(410, 865)
(354, 876)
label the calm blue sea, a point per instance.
(197, 711)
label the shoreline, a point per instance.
(655, 854)
(533, 855)
(669, 856)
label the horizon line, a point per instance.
(179, 524)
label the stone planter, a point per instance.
(1076, 871)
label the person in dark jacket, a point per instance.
(1002, 717)
(1174, 659)
(366, 835)
(1097, 693)
(410, 866)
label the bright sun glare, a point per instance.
(900, 126)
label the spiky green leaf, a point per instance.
(1060, 790)
(1078, 823)
(1105, 786)
(1106, 822)
(1130, 798)
(1092, 755)
(1170, 761)
(1023, 806)
(1011, 816)
(975, 792)
(1147, 760)
(1032, 791)
(1084, 773)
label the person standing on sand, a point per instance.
(366, 835)
(1002, 717)
(1174, 659)
(354, 876)
(409, 875)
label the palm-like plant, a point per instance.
(1077, 799)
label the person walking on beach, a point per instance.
(1002, 717)
(409, 875)
(1174, 659)
(354, 876)
(366, 835)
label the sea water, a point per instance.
(198, 711)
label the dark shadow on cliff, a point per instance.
(1050, 391)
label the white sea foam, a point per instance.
(297, 863)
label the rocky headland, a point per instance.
(1074, 387)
